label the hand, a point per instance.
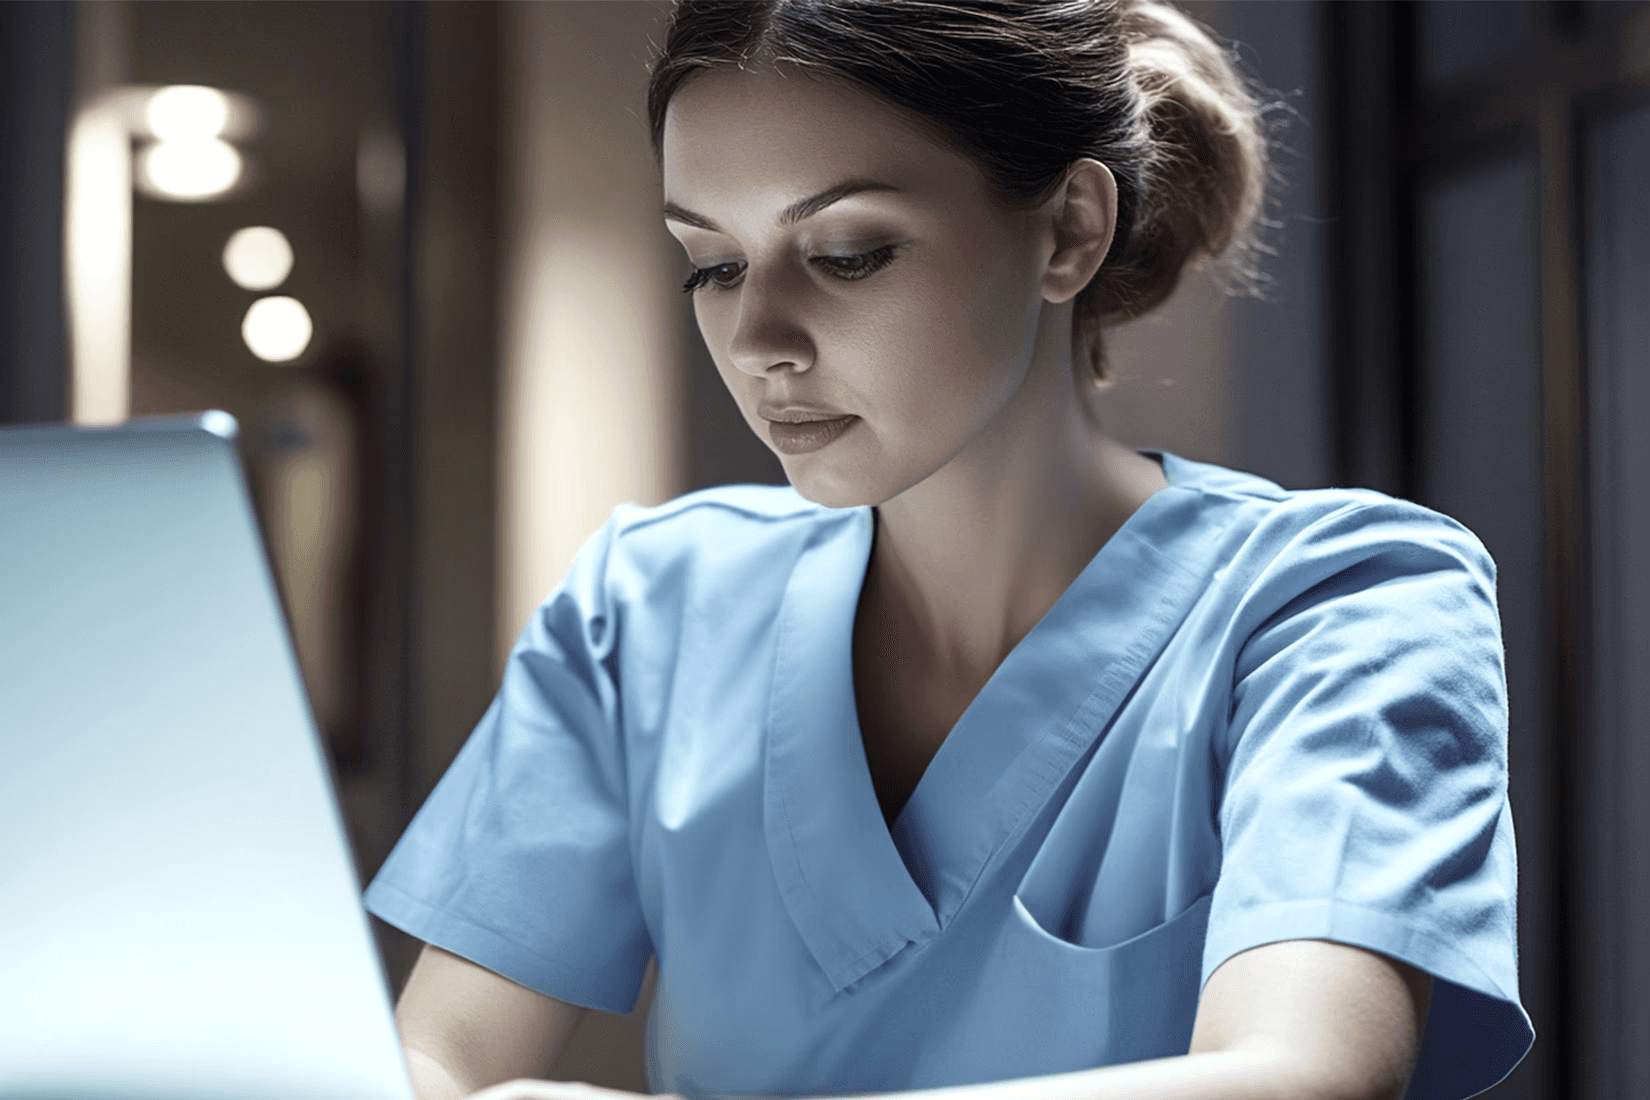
(526, 1088)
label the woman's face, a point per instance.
(851, 273)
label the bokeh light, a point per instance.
(277, 329)
(258, 257)
(187, 112)
(193, 169)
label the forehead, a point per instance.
(788, 133)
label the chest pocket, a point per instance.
(1097, 1006)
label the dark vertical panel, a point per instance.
(1368, 254)
(1614, 956)
(1480, 462)
(1564, 483)
(458, 301)
(449, 421)
(399, 412)
(391, 775)
(36, 77)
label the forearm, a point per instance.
(1247, 1074)
(430, 1079)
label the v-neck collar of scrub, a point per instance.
(858, 893)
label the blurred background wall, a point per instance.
(479, 349)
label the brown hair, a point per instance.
(1024, 88)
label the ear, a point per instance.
(1084, 213)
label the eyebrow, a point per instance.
(797, 211)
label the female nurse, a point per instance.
(988, 757)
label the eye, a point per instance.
(858, 265)
(716, 277)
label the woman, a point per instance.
(991, 750)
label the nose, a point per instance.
(769, 333)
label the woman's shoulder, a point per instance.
(749, 502)
(717, 541)
(723, 553)
(724, 518)
(1263, 522)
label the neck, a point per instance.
(966, 562)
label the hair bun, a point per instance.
(1203, 185)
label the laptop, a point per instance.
(179, 912)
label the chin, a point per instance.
(832, 494)
(830, 488)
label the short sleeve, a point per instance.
(1365, 786)
(520, 859)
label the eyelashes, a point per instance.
(857, 266)
(713, 277)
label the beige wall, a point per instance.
(591, 329)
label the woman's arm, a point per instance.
(464, 1027)
(1336, 1020)
(1297, 1020)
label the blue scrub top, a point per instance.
(1257, 715)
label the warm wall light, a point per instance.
(189, 170)
(277, 329)
(97, 231)
(187, 112)
(191, 161)
(258, 257)
(97, 215)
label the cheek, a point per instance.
(973, 328)
(1005, 298)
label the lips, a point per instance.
(793, 414)
(796, 437)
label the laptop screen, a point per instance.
(178, 908)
